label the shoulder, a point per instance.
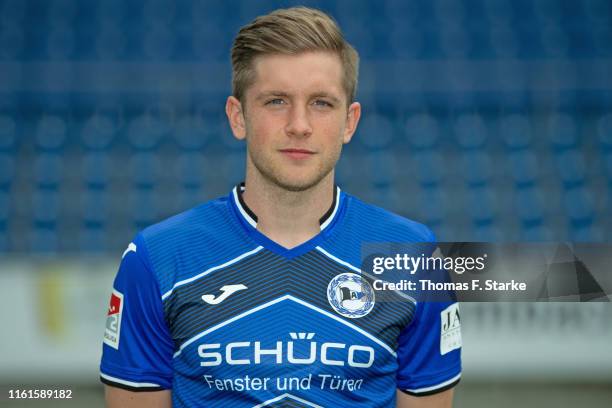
(210, 216)
(374, 223)
(362, 223)
(188, 243)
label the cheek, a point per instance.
(261, 129)
(333, 127)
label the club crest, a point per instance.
(350, 295)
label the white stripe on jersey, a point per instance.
(126, 382)
(214, 268)
(435, 387)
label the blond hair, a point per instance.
(291, 31)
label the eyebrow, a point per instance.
(267, 94)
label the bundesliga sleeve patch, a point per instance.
(113, 320)
(450, 329)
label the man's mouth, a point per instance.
(297, 154)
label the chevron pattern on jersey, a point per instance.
(267, 276)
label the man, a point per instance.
(256, 299)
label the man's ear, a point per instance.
(235, 117)
(352, 120)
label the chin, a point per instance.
(297, 184)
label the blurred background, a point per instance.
(488, 120)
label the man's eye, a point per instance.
(276, 101)
(321, 102)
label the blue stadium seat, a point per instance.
(555, 41)
(191, 133)
(601, 37)
(110, 11)
(13, 10)
(380, 166)
(476, 168)
(604, 132)
(548, 11)
(524, 167)
(95, 206)
(580, 206)
(454, 40)
(406, 40)
(8, 133)
(235, 163)
(4, 239)
(429, 168)
(143, 209)
(504, 40)
(375, 131)
(12, 39)
(145, 169)
(529, 204)
(211, 42)
(516, 131)
(190, 197)
(51, 133)
(5, 208)
(422, 131)
(607, 163)
(190, 169)
(61, 41)
(470, 131)
(562, 132)
(46, 206)
(48, 170)
(537, 233)
(111, 42)
(98, 132)
(43, 239)
(93, 239)
(96, 170)
(158, 42)
(433, 206)
(481, 205)
(345, 168)
(146, 132)
(571, 168)
(7, 170)
(487, 233)
(586, 233)
(160, 11)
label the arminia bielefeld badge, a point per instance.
(350, 295)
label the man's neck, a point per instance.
(289, 218)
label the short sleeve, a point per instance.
(429, 352)
(137, 347)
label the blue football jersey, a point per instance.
(206, 305)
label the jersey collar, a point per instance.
(251, 218)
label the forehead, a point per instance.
(305, 72)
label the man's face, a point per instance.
(294, 118)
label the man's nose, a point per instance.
(298, 124)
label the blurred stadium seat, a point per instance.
(502, 98)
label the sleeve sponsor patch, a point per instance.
(113, 320)
(450, 329)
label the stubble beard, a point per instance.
(275, 175)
